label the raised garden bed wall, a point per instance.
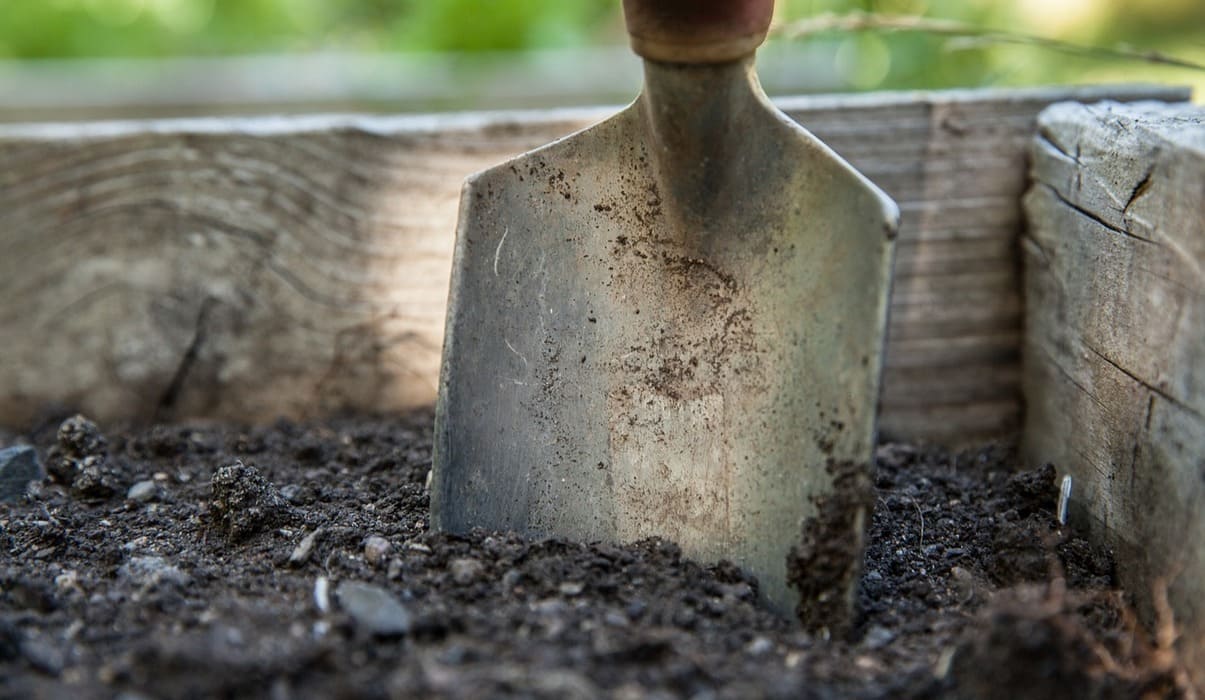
(1115, 342)
(249, 269)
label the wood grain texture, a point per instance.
(263, 267)
(1115, 337)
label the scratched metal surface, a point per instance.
(667, 324)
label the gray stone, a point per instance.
(878, 637)
(292, 493)
(44, 656)
(376, 549)
(511, 579)
(373, 608)
(152, 571)
(19, 465)
(759, 646)
(465, 570)
(143, 491)
(615, 618)
(551, 607)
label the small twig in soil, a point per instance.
(920, 541)
(968, 33)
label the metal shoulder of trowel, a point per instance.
(671, 324)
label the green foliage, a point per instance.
(96, 28)
(473, 25)
(866, 60)
(911, 60)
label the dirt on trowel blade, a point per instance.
(646, 317)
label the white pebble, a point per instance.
(322, 595)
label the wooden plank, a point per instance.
(1115, 338)
(261, 267)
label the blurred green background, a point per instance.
(32, 31)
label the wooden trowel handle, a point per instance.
(697, 31)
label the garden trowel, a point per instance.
(671, 323)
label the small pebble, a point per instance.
(511, 579)
(615, 618)
(878, 637)
(465, 570)
(571, 588)
(376, 549)
(303, 550)
(151, 571)
(19, 465)
(291, 493)
(740, 591)
(551, 607)
(43, 656)
(322, 594)
(963, 583)
(67, 581)
(759, 646)
(143, 491)
(373, 608)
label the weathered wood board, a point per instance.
(1115, 338)
(255, 268)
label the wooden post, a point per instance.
(1115, 339)
(252, 268)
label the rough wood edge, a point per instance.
(1115, 340)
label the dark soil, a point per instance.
(235, 567)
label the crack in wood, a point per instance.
(1143, 186)
(167, 400)
(1094, 217)
(1044, 137)
(1162, 393)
